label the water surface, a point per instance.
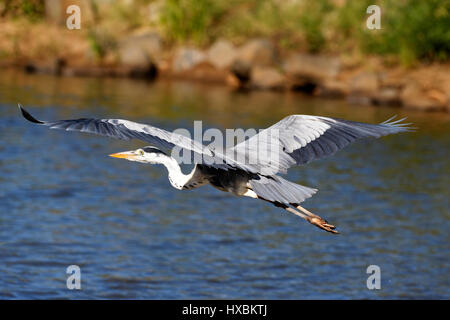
(64, 202)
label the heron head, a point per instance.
(148, 154)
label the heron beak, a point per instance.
(123, 155)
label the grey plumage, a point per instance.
(127, 130)
(303, 138)
(295, 140)
(277, 189)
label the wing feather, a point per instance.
(304, 138)
(295, 140)
(126, 130)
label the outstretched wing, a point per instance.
(126, 130)
(299, 139)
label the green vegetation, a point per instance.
(411, 30)
(185, 19)
(100, 42)
(32, 9)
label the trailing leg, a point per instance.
(301, 212)
(310, 217)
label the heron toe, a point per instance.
(322, 224)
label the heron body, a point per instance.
(299, 140)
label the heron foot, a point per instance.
(316, 220)
(322, 224)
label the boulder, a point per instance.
(134, 56)
(415, 96)
(202, 72)
(232, 80)
(140, 50)
(53, 66)
(364, 83)
(363, 87)
(187, 58)
(257, 52)
(311, 68)
(149, 41)
(332, 89)
(267, 78)
(437, 95)
(221, 54)
(241, 71)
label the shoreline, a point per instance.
(257, 64)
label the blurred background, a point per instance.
(232, 64)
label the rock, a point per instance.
(267, 78)
(150, 42)
(140, 50)
(138, 63)
(311, 68)
(221, 54)
(54, 66)
(241, 70)
(437, 95)
(108, 71)
(363, 87)
(364, 83)
(135, 56)
(203, 72)
(187, 58)
(150, 72)
(232, 80)
(332, 89)
(139, 54)
(257, 52)
(415, 97)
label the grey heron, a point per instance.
(300, 139)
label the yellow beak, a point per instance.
(123, 155)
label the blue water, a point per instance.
(64, 202)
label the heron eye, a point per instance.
(141, 152)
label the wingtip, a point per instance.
(399, 124)
(28, 116)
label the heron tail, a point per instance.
(277, 189)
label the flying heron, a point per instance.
(300, 139)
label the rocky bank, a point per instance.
(255, 65)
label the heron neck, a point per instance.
(176, 177)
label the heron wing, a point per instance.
(299, 139)
(127, 130)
